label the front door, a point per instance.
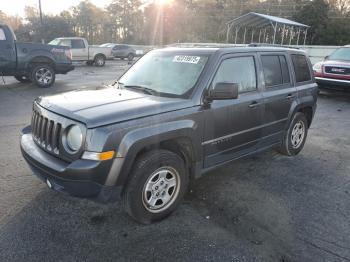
(79, 50)
(7, 53)
(233, 127)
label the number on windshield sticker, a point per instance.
(186, 59)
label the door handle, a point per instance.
(289, 96)
(254, 104)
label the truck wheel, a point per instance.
(131, 57)
(99, 60)
(23, 79)
(43, 75)
(156, 187)
(295, 137)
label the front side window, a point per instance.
(167, 73)
(301, 68)
(2, 35)
(78, 44)
(240, 70)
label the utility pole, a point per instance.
(41, 14)
(41, 20)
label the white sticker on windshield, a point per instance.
(186, 59)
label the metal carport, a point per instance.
(269, 27)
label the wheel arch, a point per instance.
(307, 107)
(42, 59)
(178, 137)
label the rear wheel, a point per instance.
(99, 60)
(157, 185)
(23, 79)
(295, 137)
(43, 75)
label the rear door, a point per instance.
(7, 52)
(279, 94)
(233, 127)
(79, 50)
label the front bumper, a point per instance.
(323, 81)
(79, 178)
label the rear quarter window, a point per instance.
(301, 68)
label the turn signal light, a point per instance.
(103, 156)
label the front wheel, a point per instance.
(23, 79)
(156, 187)
(43, 75)
(295, 137)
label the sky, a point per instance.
(16, 7)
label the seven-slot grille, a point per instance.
(46, 132)
(336, 70)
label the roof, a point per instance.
(253, 19)
(229, 49)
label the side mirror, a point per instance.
(223, 91)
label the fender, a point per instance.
(138, 139)
(302, 102)
(36, 54)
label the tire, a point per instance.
(99, 61)
(130, 57)
(295, 137)
(166, 171)
(43, 75)
(23, 79)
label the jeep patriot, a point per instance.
(174, 115)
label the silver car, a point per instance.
(121, 51)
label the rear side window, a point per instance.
(301, 68)
(239, 70)
(275, 69)
(78, 44)
(2, 35)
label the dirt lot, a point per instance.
(263, 208)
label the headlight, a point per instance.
(317, 67)
(74, 138)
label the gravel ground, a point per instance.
(263, 208)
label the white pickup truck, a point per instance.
(82, 52)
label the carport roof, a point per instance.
(253, 19)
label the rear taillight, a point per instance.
(68, 53)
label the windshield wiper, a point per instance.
(144, 89)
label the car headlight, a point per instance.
(74, 138)
(317, 67)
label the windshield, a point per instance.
(341, 54)
(166, 73)
(54, 42)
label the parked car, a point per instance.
(122, 51)
(82, 52)
(334, 71)
(173, 116)
(29, 62)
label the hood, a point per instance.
(100, 107)
(331, 62)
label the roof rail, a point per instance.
(271, 45)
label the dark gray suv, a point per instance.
(173, 116)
